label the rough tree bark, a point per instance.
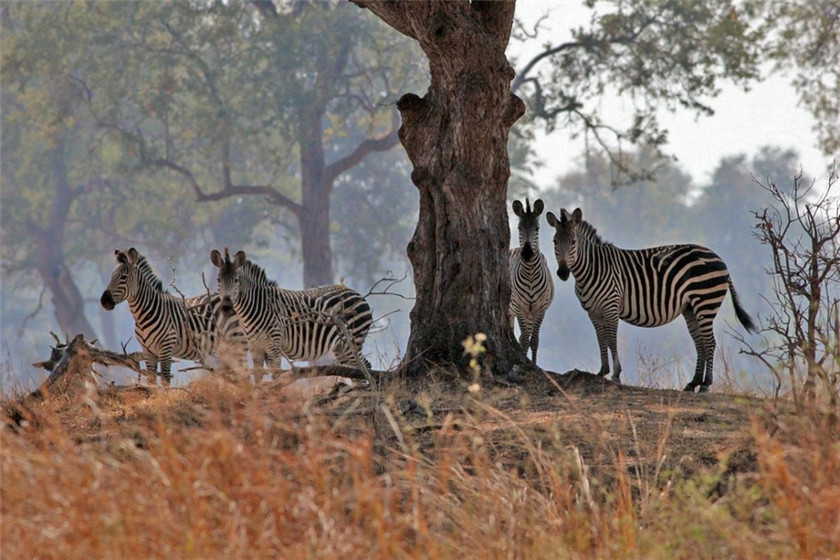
(456, 138)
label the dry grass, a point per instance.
(589, 470)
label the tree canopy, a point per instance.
(144, 109)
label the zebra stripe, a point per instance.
(644, 287)
(299, 325)
(167, 326)
(532, 289)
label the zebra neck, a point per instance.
(254, 297)
(591, 254)
(532, 263)
(144, 298)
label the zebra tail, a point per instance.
(742, 315)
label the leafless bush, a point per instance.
(802, 331)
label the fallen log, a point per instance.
(71, 366)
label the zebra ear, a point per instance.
(132, 255)
(121, 257)
(517, 208)
(564, 216)
(216, 258)
(552, 220)
(577, 215)
(539, 206)
(239, 259)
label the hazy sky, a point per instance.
(743, 121)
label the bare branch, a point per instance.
(368, 146)
(229, 190)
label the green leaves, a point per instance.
(653, 54)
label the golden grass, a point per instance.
(225, 471)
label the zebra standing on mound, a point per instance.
(167, 326)
(293, 324)
(644, 287)
(530, 279)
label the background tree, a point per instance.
(120, 92)
(47, 173)
(69, 196)
(279, 116)
(807, 44)
(725, 208)
(648, 211)
(655, 55)
(377, 212)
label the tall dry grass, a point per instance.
(224, 471)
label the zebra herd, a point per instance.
(644, 287)
(249, 312)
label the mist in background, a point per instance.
(96, 96)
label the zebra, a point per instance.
(532, 289)
(644, 287)
(167, 326)
(299, 325)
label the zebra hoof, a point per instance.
(703, 389)
(689, 388)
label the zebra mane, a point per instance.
(588, 232)
(146, 271)
(255, 274)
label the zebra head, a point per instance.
(565, 240)
(228, 277)
(124, 279)
(529, 227)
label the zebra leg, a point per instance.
(535, 338)
(700, 347)
(602, 332)
(259, 357)
(151, 369)
(710, 363)
(274, 360)
(346, 356)
(165, 369)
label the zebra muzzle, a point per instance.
(528, 252)
(227, 306)
(107, 300)
(563, 272)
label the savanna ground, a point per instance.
(557, 466)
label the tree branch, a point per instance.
(398, 15)
(522, 75)
(368, 146)
(228, 189)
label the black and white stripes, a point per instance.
(167, 326)
(532, 288)
(644, 287)
(292, 324)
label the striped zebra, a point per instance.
(170, 327)
(644, 287)
(299, 325)
(530, 279)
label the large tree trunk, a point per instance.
(456, 137)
